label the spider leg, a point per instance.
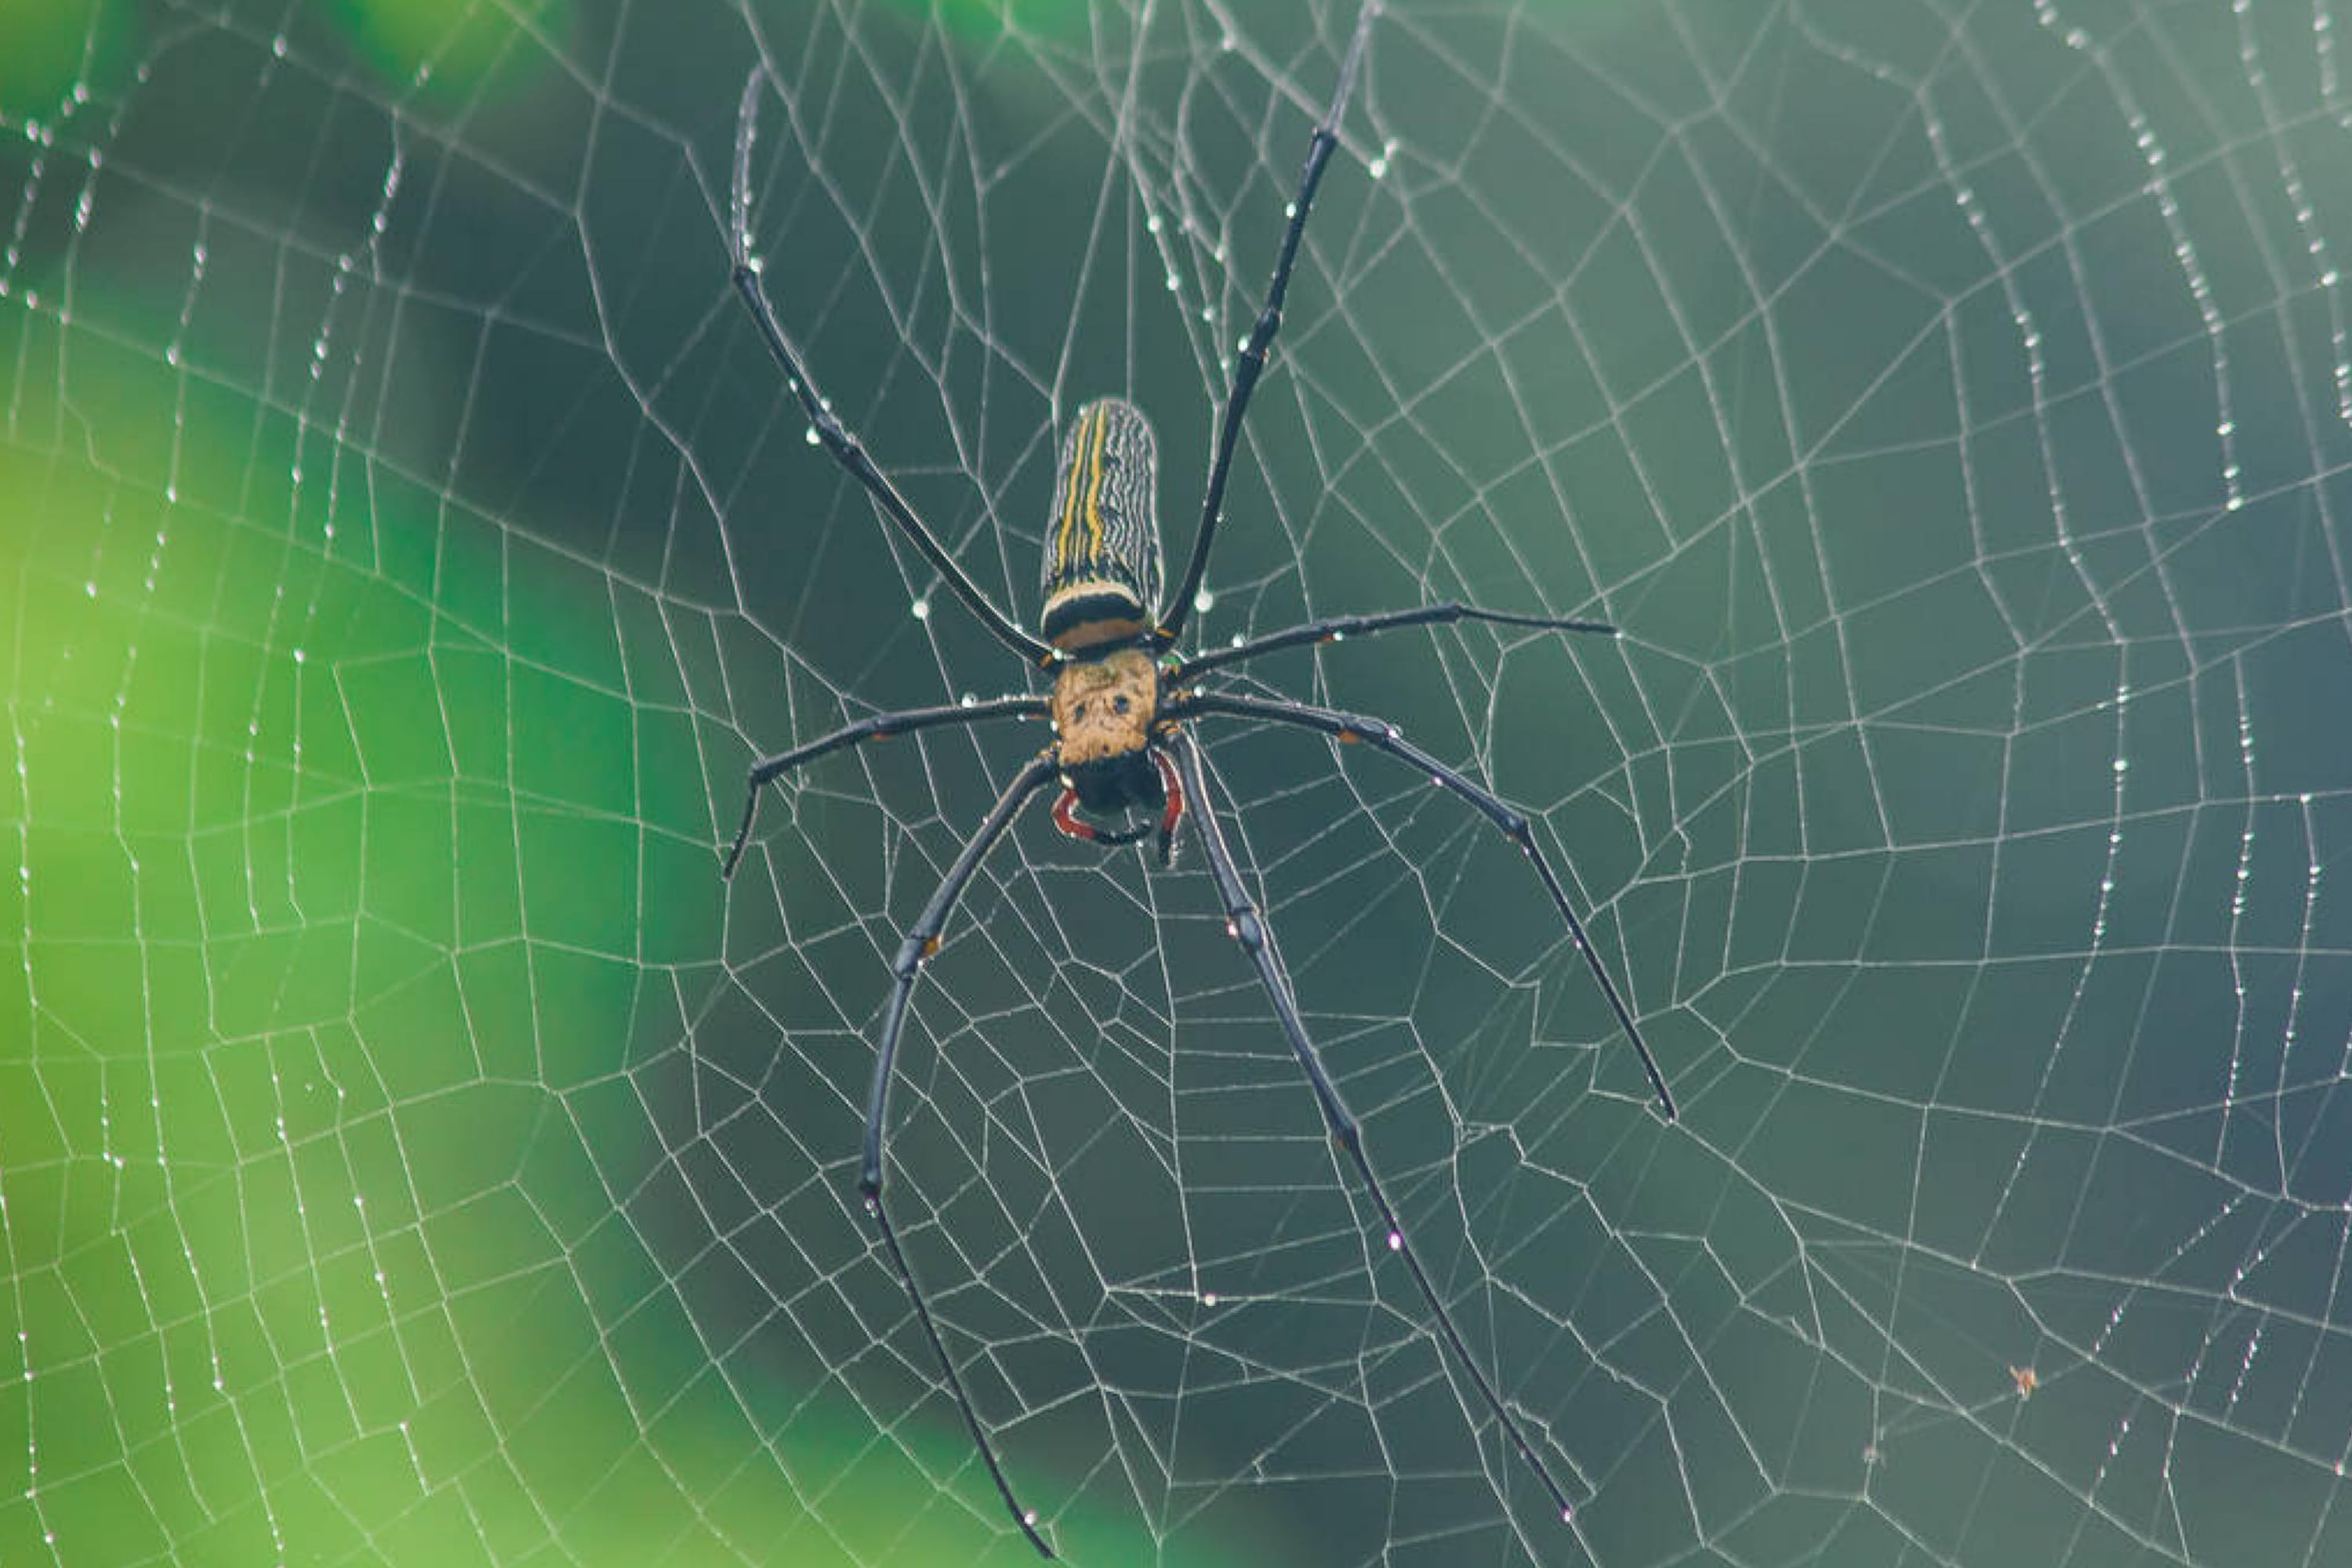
(836, 440)
(1252, 361)
(1383, 735)
(1250, 928)
(879, 727)
(1337, 626)
(922, 940)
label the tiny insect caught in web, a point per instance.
(1123, 702)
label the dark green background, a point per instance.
(411, 1152)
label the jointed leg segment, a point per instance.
(1252, 363)
(1339, 626)
(922, 940)
(1384, 736)
(838, 440)
(1249, 928)
(881, 726)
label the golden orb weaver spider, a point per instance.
(1120, 702)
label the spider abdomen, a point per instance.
(1102, 545)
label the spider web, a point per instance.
(410, 1152)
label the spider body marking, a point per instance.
(1123, 704)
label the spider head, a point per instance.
(1103, 711)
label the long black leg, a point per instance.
(921, 941)
(1252, 361)
(1339, 626)
(881, 726)
(1383, 735)
(829, 430)
(1249, 928)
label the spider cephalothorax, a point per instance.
(1106, 714)
(1103, 710)
(1108, 739)
(1122, 707)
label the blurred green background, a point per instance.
(410, 1152)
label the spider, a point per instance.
(1120, 702)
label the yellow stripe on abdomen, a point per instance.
(1082, 487)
